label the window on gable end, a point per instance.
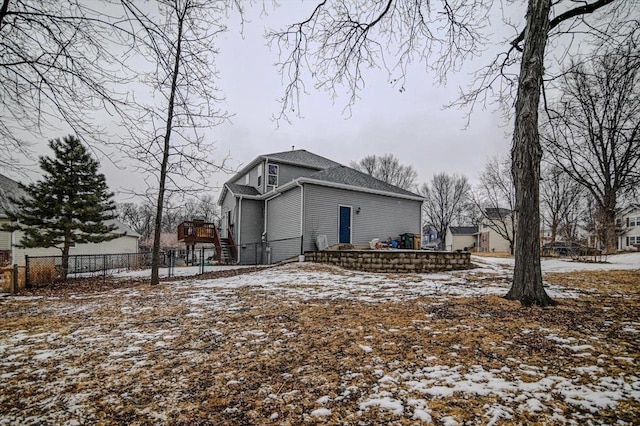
(272, 174)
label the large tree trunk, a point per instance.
(608, 216)
(155, 256)
(526, 154)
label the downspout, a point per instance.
(265, 234)
(301, 216)
(239, 228)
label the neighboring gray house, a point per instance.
(276, 207)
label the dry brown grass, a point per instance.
(256, 353)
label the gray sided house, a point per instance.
(276, 207)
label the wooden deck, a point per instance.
(193, 232)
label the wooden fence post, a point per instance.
(14, 279)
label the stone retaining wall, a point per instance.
(392, 260)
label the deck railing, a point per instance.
(197, 232)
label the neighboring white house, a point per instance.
(494, 220)
(8, 188)
(125, 242)
(461, 238)
(629, 223)
(487, 237)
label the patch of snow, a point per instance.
(323, 399)
(366, 349)
(321, 412)
(394, 405)
(422, 415)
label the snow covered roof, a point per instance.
(121, 228)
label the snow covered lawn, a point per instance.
(314, 344)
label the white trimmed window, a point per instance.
(634, 221)
(272, 175)
(259, 170)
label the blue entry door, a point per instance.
(344, 231)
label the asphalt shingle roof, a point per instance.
(242, 189)
(497, 213)
(303, 158)
(348, 176)
(463, 230)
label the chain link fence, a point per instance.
(41, 270)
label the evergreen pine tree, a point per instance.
(68, 206)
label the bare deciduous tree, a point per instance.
(495, 198)
(178, 40)
(446, 199)
(593, 130)
(59, 60)
(340, 38)
(560, 198)
(138, 217)
(388, 169)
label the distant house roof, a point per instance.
(242, 189)
(8, 188)
(351, 177)
(632, 208)
(463, 230)
(121, 228)
(497, 213)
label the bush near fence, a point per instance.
(7, 275)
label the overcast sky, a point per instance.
(413, 125)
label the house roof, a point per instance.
(8, 188)
(121, 228)
(302, 157)
(351, 177)
(242, 189)
(632, 208)
(497, 213)
(463, 230)
(329, 173)
(298, 157)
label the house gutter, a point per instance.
(347, 187)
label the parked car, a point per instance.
(568, 248)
